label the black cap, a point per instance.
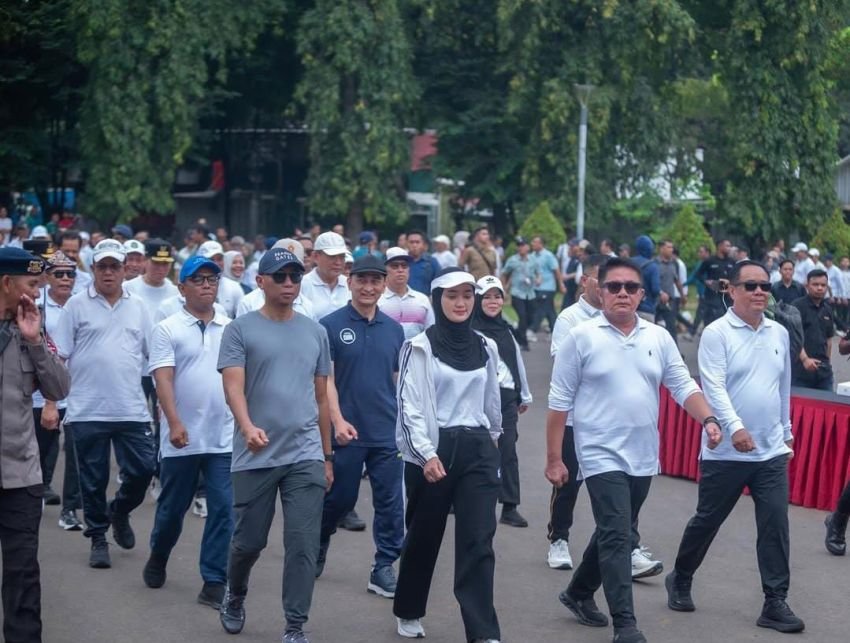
(43, 248)
(158, 250)
(521, 241)
(368, 263)
(277, 258)
(14, 261)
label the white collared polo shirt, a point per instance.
(412, 310)
(322, 297)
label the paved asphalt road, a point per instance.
(109, 606)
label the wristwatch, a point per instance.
(329, 457)
(712, 420)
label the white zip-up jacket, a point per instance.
(417, 434)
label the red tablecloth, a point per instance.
(821, 465)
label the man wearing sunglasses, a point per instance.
(814, 369)
(745, 369)
(103, 336)
(275, 364)
(608, 372)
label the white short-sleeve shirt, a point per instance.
(323, 298)
(105, 348)
(51, 313)
(180, 342)
(412, 310)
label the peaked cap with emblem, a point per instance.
(15, 261)
(158, 250)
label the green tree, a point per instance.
(543, 222)
(833, 235)
(357, 92)
(151, 66)
(687, 232)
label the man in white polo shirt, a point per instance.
(745, 369)
(230, 293)
(608, 371)
(408, 307)
(197, 434)
(103, 337)
(326, 287)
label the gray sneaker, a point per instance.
(295, 636)
(382, 581)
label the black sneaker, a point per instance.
(586, 610)
(232, 612)
(122, 532)
(51, 497)
(322, 558)
(154, 572)
(628, 634)
(212, 594)
(778, 616)
(69, 522)
(679, 592)
(99, 556)
(510, 516)
(352, 522)
(836, 528)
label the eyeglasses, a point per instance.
(280, 277)
(64, 274)
(614, 287)
(199, 280)
(750, 286)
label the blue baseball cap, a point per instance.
(194, 264)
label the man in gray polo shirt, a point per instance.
(283, 445)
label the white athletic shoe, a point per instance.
(155, 488)
(410, 629)
(642, 564)
(199, 507)
(559, 555)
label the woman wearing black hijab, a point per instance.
(448, 425)
(487, 319)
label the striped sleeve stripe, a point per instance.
(405, 430)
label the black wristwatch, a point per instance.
(329, 457)
(713, 420)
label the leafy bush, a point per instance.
(687, 232)
(544, 223)
(833, 236)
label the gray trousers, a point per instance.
(302, 492)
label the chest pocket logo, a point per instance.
(347, 336)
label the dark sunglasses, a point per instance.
(64, 274)
(198, 280)
(614, 287)
(750, 286)
(280, 277)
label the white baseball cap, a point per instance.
(330, 243)
(109, 248)
(39, 232)
(800, 247)
(488, 283)
(292, 245)
(349, 258)
(814, 252)
(395, 254)
(452, 277)
(210, 249)
(131, 246)
(441, 238)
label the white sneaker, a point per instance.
(155, 488)
(642, 564)
(559, 555)
(199, 507)
(531, 336)
(410, 629)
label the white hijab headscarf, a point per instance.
(229, 256)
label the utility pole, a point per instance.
(583, 94)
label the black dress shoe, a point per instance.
(352, 522)
(513, 518)
(122, 532)
(232, 612)
(212, 594)
(154, 572)
(586, 610)
(778, 616)
(50, 496)
(628, 634)
(836, 528)
(679, 592)
(99, 556)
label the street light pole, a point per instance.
(583, 94)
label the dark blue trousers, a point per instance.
(179, 479)
(385, 471)
(136, 457)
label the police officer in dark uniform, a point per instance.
(714, 273)
(26, 363)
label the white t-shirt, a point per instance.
(6, 225)
(446, 258)
(229, 295)
(324, 299)
(256, 299)
(179, 342)
(412, 310)
(51, 314)
(82, 282)
(105, 348)
(459, 396)
(611, 381)
(153, 296)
